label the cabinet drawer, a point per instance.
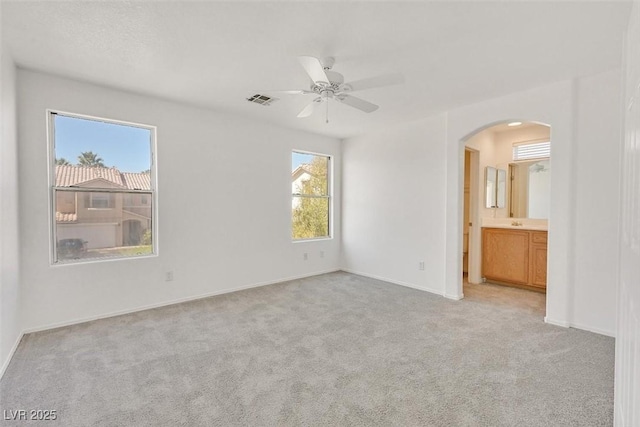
(539, 237)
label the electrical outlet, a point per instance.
(305, 256)
(321, 254)
(421, 266)
(168, 276)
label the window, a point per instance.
(100, 172)
(100, 201)
(311, 195)
(531, 150)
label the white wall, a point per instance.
(557, 105)
(404, 167)
(393, 213)
(552, 105)
(10, 322)
(489, 154)
(597, 180)
(496, 150)
(627, 383)
(224, 206)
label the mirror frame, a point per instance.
(495, 188)
(490, 187)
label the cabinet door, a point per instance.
(539, 265)
(505, 255)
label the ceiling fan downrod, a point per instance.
(327, 120)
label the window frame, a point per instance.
(108, 199)
(515, 145)
(52, 189)
(329, 197)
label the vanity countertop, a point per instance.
(531, 227)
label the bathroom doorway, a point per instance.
(506, 200)
(468, 202)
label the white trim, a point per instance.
(153, 178)
(592, 329)
(100, 260)
(395, 282)
(172, 302)
(580, 326)
(330, 195)
(453, 297)
(311, 239)
(5, 365)
(561, 323)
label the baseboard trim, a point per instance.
(561, 323)
(395, 282)
(454, 296)
(167, 303)
(574, 325)
(592, 329)
(5, 365)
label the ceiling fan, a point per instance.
(327, 84)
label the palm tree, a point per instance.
(62, 162)
(89, 158)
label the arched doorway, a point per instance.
(554, 106)
(506, 196)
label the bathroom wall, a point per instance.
(489, 154)
(494, 145)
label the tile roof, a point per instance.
(73, 176)
(137, 181)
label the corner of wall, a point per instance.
(10, 312)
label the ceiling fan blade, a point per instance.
(314, 68)
(291, 92)
(358, 103)
(374, 82)
(308, 110)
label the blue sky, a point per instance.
(299, 158)
(126, 147)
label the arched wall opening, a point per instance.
(520, 196)
(552, 106)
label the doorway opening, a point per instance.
(469, 203)
(506, 203)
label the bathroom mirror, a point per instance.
(490, 180)
(501, 189)
(530, 187)
(495, 187)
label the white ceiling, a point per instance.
(216, 54)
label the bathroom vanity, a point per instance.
(515, 256)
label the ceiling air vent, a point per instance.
(261, 99)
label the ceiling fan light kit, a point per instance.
(327, 84)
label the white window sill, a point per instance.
(313, 239)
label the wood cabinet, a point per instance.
(515, 257)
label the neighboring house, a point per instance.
(298, 177)
(103, 219)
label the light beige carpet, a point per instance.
(336, 349)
